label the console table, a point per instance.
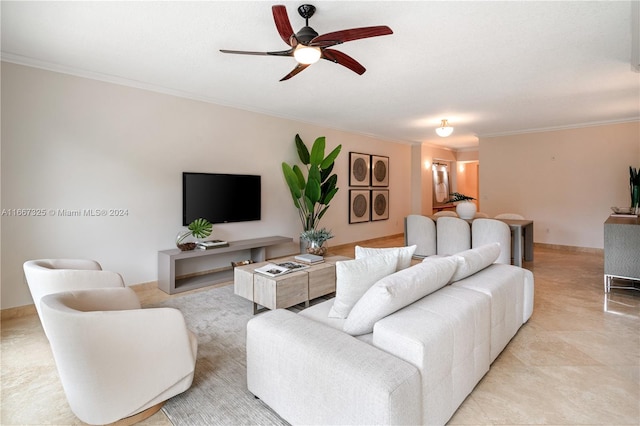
(221, 269)
(621, 251)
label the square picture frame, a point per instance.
(359, 169)
(379, 170)
(379, 204)
(359, 205)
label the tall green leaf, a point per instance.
(317, 151)
(329, 196)
(303, 152)
(325, 172)
(292, 181)
(299, 177)
(329, 159)
(312, 191)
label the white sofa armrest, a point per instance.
(313, 374)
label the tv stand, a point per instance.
(221, 271)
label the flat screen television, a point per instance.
(220, 198)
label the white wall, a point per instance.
(566, 180)
(73, 143)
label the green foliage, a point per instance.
(456, 196)
(311, 195)
(320, 235)
(199, 228)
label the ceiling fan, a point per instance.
(307, 47)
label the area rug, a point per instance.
(218, 395)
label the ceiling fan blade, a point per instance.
(283, 24)
(299, 68)
(344, 60)
(337, 37)
(245, 52)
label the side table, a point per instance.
(621, 251)
(287, 290)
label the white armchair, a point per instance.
(453, 235)
(114, 359)
(47, 276)
(486, 231)
(420, 231)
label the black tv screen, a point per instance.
(220, 198)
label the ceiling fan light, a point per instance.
(444, 130)
(307, 54)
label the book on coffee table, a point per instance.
(277, 269)
(309, 258)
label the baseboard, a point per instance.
(18, 312)
(569, 248)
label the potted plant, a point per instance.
(312, 195)
(199, 228)
(464, 207)
(316, 239)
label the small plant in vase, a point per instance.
(465, 208)
(199, 229)
(316, 239)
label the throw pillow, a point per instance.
(354, 277)
(474, 260)
(404, 254)
(397, 291)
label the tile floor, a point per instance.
(577, 360)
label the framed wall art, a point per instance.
(440, 184)
(379, 204)
(379, 170)
(359, 169)
(359, 202)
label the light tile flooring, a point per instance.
(577, 360)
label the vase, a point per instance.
(466, 209)
(635, 199)
(316, 248)
(187, 242)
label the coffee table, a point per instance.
(286, 290)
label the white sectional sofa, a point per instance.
(409, 350)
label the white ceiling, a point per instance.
(489, 67)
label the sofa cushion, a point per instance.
(396, 291)
(319, 312)
(474, 260)
(404, 254)
(354, 277)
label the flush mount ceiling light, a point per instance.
(444, 130)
